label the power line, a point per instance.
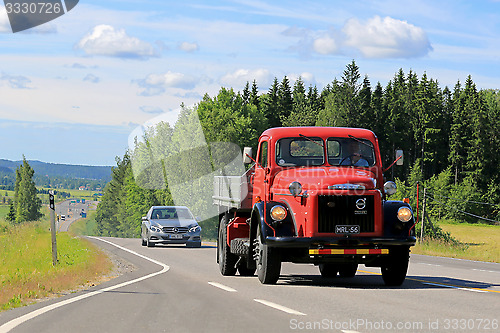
(477, 202)
(463, 212)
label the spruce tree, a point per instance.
(11, 215)
(27, 204)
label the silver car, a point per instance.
(170, 225)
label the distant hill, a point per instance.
(102, 173)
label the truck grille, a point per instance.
(345, 210)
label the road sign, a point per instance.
(51, 201)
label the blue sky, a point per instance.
(73, 89)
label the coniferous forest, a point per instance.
(450, 137)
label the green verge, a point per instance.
(479, 242)
(86, 226)
(26, 270)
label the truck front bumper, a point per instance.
(327, 242)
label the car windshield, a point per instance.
(301, 151)
(350, 152)
(171, 213)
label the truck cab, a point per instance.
(313, 195)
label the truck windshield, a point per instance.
(350, 152)
(300, 151)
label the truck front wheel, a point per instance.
(267, 261)
(227, 260)
(394, 270)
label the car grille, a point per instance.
(343, 210)
(175, 230)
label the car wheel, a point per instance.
(143, 241)
(328, 270)
(394, 271)
(148, 242)
(227, 260)
(267, 260)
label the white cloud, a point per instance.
(151, 109)
(4, 21)
(155, 84)
(386, 38)
(107, 41)
(188, 47)
(325, 45)
(307, 78)
(241, 76)
(15, 81)
(91, 78)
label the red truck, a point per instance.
(313, 195)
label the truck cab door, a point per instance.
(260, 181)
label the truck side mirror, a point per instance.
(144, 218)
(399, 154)
(247, 151)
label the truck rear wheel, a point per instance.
(267, 261)
(394, 271)
(227, 260)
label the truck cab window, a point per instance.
(300, 152)
(263, 154)
(350, 152)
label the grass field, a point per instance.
(4, 210)
(26, 270)
(481, 242)
(86, 226)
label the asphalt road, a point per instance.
(71, 211)
(178, 289)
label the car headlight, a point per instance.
(278, 213)
(194, 228)
(155, 228)
(295, 188)
(404, 214)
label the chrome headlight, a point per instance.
(278, 213)
(155, 229)
(295, 188)
(390, 188)
(194, 228)
(404, 214)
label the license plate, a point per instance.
(176, 236)
(347, 229)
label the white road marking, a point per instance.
(18, 321)
(223, 287)
(454, 287)
(423, 263)
(484, 270)
(280, 307)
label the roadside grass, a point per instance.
(4, 210)
(481, 242)
(86, 226)
(26, 270)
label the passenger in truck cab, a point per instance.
(353, 154)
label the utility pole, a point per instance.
(52, 207)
